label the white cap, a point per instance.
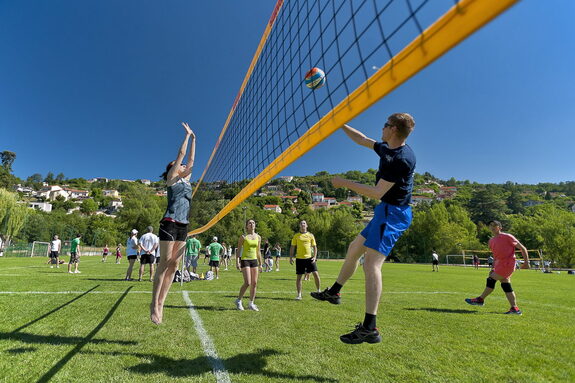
(134, 231)
(215, 239)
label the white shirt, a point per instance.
(132, 246)
(147, 242)
(55, 245)
(435, 256)
(157, 248)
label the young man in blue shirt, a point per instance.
(393, 186)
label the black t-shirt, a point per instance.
(397, 166)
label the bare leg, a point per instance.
(298, 284)
(489, 290)
(277, 264)
(372, 269)
(253, 286)
(130, 267)
(354, 252)
(141, 271)
(171, 253)
(317, 280)
(247, 281)
(152, 269)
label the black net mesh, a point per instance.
(349, 40)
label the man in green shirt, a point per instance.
(192, 253)
(74, 255)
(214, 250)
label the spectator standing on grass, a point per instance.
(148, 244)
(215, 250)
(490, 262)
(250, 264)
(277, 251)
(305, 248)
(75, 255)
(475, 262)
(105, 253)
(118, 254)
(193, 247)
(131, 253)
(1, 245)
(435, 261)
(55, 248)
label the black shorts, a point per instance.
(214, 263)
(54, 254)
(173, 231)
(303, 266)
(147, 259)
(435, 262)
(130, 257)
(74, 258)
(248, 263)
(157, 260)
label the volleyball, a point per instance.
(315, 78)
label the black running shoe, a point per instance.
(325, 295)
(360, 335)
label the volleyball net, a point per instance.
(366, 48)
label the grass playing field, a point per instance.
(93, 327)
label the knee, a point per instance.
(506, 286)
(490, 283)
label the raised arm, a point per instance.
(191, 153)
(358, 137)
(375, 192)
(181, 153)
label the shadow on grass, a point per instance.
(54, 310)
(207, 308)
(21, 350)
(436, 310)
(248, 363)
(111, 279)
(83, 341)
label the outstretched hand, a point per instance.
(188, 130)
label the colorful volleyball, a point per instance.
(315, 78)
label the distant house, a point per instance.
(146, 182)
(44, 206)
(355, 199)
(27, 191)
(346, 203)
(274, 208)
(317, 197)
(287, 178)
(77, 193)
(51, 192)
(162, 193)
(417, 199)
(111, 193)
(98, 179)
(297, 190)
(292, 198)
(425, 191)
(330, 201)
(272, 187)
(115, 205)
(319, 205)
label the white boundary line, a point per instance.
(207, 344)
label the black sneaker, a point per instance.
(360, 335)
(325, 295)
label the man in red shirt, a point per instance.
(503, 247)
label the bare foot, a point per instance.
(155, 317)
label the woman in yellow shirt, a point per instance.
(250, 263)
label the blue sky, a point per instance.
(98, 89)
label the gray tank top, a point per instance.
(179, 198)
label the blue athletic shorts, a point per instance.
(387, 225)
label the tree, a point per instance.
(88, 206)
(60, 178)
(12, 214)
(486, 205)
(49, 179)
(8, 158)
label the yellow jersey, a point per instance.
(304, 243)
(250, 248)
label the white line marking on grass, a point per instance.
(209, 292)
(207, 344)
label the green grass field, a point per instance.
(93, 327)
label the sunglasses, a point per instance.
(387, 125)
